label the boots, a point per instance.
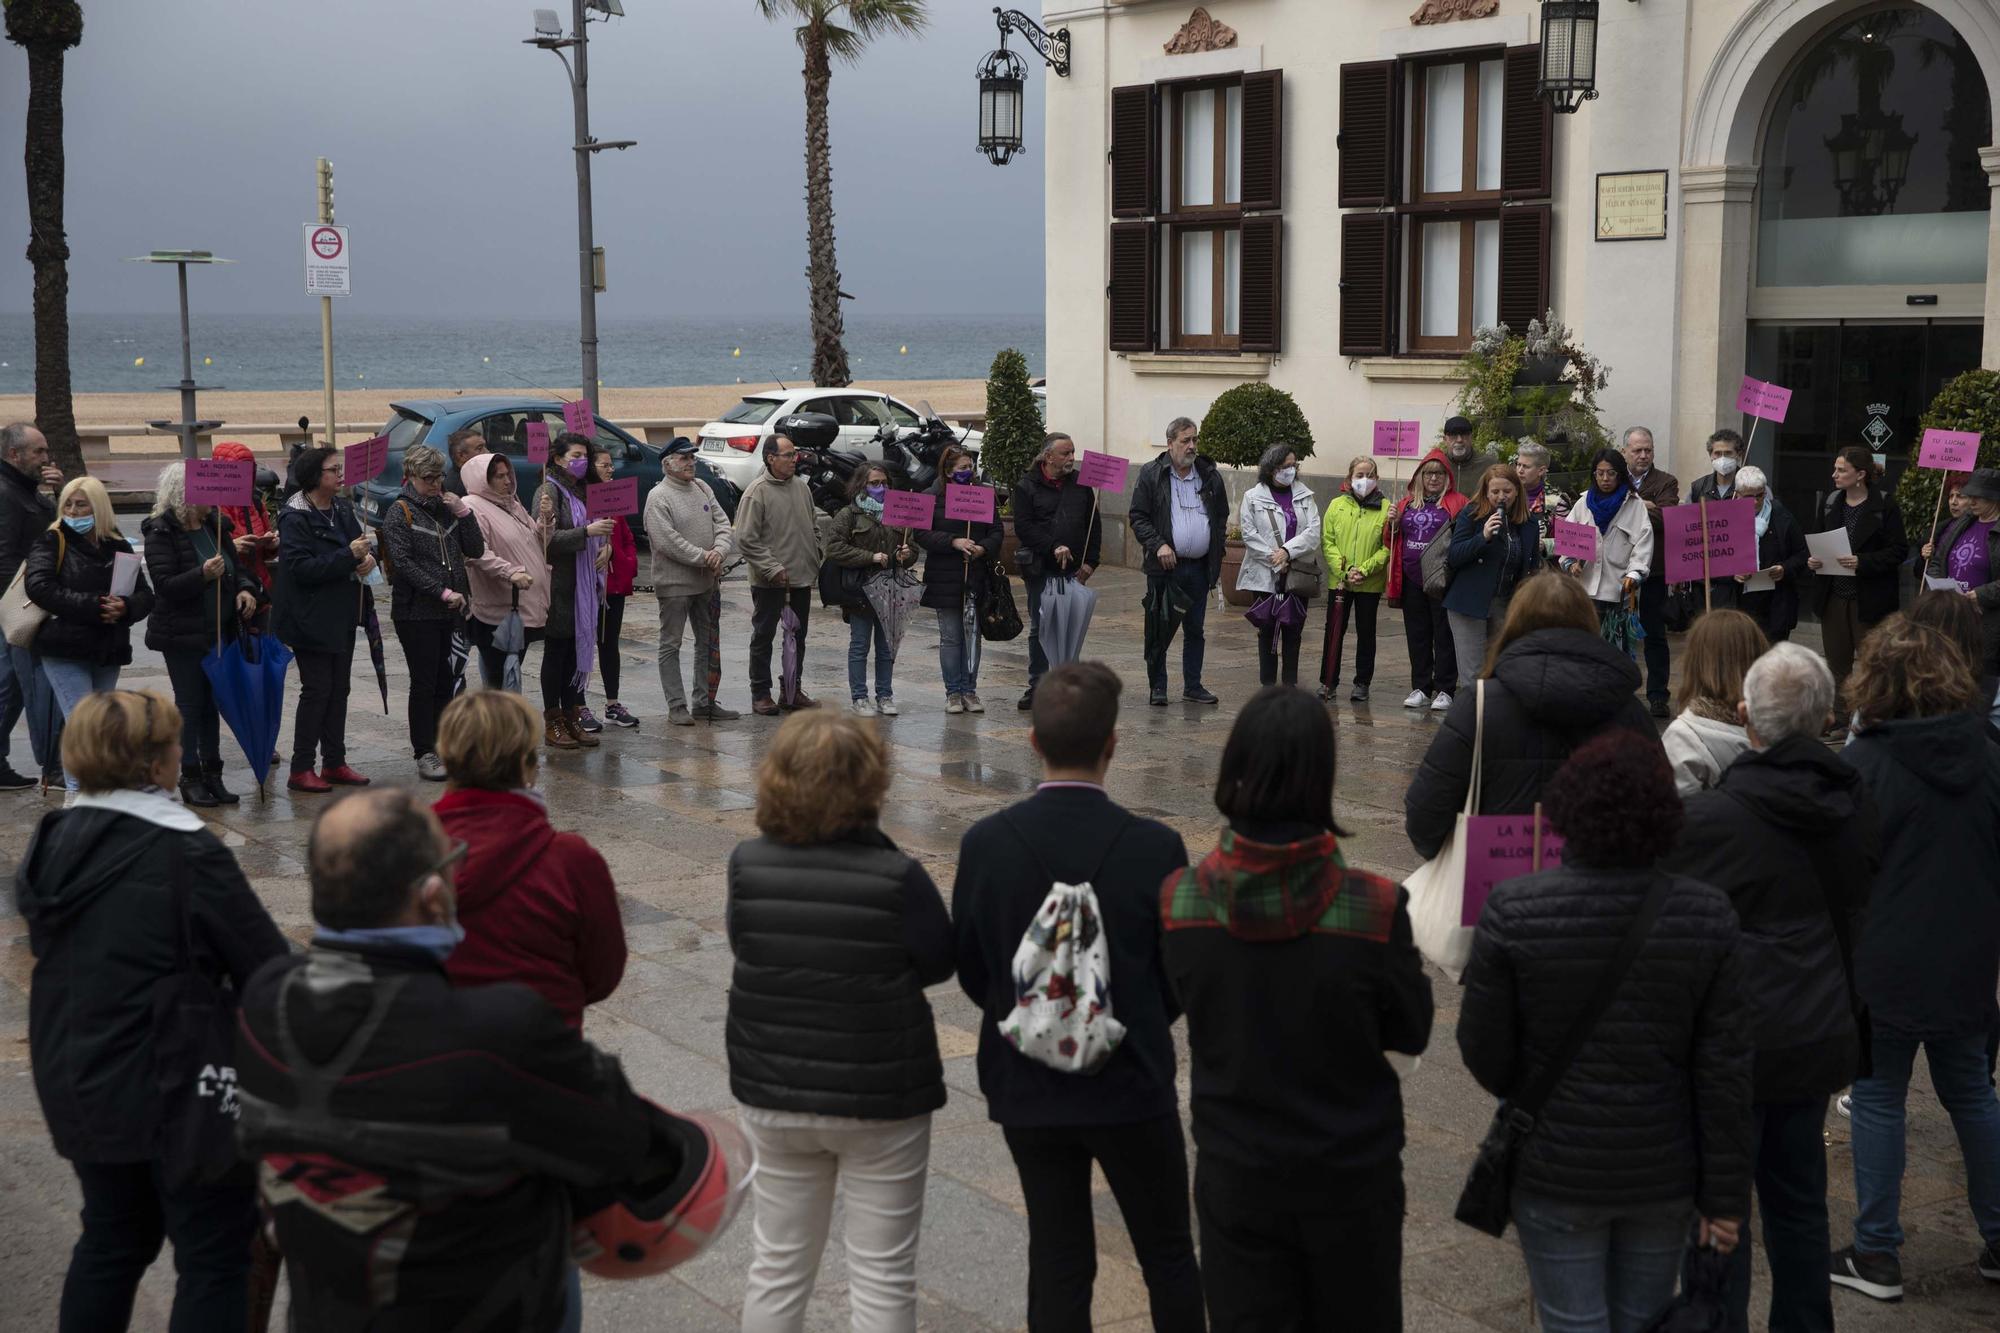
(194, 788)
(573, 719)
(211, 772)
(556, 734)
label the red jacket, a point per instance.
(624, 562)
(538, 906)
(1392, 535)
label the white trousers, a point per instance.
(879, 1168)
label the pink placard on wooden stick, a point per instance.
(1397, 439)
(1731, 540)
(1499, 848)
(612, 499)
(968, 504)
(1574, 541)
(536, 441)
(1951, 450)
(1104, 472)
(218, 481)
(577, 417)
(908, 509)
(363, 461)
(1759, 398)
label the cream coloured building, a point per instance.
(1330, 195)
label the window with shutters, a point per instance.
(1203, 239)
(1444, 150)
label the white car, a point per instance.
(733, 445)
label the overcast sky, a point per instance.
(194, 123)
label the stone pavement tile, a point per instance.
(661, 1069)
(1470, 1277)
(1421, 1315)
(653, 1303)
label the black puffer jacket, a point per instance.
(834, 945)
(185, 609)
(1929, 955)
(318, 603)
(426, 546)
(1791, 835)
(66, 576)
(1048, 514)
(1656, 1105)
(945, 569)
(24, 513)
(1551, 691)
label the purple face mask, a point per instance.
(577, 466)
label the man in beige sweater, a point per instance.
(691, 541)
(777, 532)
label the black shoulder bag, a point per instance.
(1487, 1200)
(194, 1056)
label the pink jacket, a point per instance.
(513, 543)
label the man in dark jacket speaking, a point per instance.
(418, 1142)
(1791, 835)
(1179, 517)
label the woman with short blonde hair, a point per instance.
(833, 1052)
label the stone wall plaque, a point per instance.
(1631, 206)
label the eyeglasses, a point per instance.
(447, 863)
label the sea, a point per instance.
(135, 353)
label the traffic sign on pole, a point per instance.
(326, 260)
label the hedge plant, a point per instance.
(1245, 421)
(1014, 430)
(1970, 402)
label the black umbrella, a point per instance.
(1166, 606)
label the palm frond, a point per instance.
(841, 43)
(887, 18)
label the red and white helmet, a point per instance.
(656, 1225)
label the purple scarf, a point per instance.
(589, 589)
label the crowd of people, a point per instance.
(1745, 920)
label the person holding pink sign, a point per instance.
(428, 536)
(861, 542)
(576, 591)
(620, 564)
(1863, 591)
(1968, 552)
(1771, 595)
(1179, 515)
(1058, 536)
(959, 557)
(511, 575)
(317, 605)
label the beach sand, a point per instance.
(366, 408)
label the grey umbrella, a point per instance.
(1067, 606)
(892, 595)
(510, 638)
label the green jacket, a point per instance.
(1351, 536)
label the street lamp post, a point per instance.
(188, 427)
(548, 36)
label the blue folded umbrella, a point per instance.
(247, 675)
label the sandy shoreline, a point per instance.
(371, 406)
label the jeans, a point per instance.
(70, 681)
(607, 644)
(201, 725)
(766, 606)
(1959, 1073)
(958, 653)
(24, 689)
(1268, 1267)
(1146, 1166)
(676, 615)
(861, 631)
(320, 724)
(1788, 1148)
(427, 650)
(1038, 661)
(1190, 577)
(879, 1168)
(126, 1215)
(1433, 657)
(1601, 1268)
(1468, 638)
(1653, 619)
(1362, 608)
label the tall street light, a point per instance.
(189, 427)
(549, 37)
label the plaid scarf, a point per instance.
(1264, 892)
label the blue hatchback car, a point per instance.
(504, 421)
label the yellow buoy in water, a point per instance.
(208, 361)
(486, 360)
(138, 360)
(904, 350)
(737, 352)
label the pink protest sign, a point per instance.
(1731, 540)
(968, 504)
(1104, 472)
(1574, 541)
(218, 481)
(1951, 450)
(536, 440)
(1397, 439)
(1499, 848)
(908, 509)
(360, 462)
(612, 499)
(577, 417)
(1758, 398)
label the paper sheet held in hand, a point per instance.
(1760, 582)
(124, 573)
(1932, 583)
(1829, 547)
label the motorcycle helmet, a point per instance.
(652, 1226)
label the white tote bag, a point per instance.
(1062, 982)
(1437, 887)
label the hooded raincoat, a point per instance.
(513, 545)
(1451, 501)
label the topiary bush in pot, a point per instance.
(1245, 421)
(1014, 431)
(1970, 402)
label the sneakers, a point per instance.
(616, 715)
(1441, 702)
(340, 775)
(972, 704)
(678, 716)
(306, 780)
(1876, 1275)
(954, 703)
(886, 706)
(1416, 699)
(430, 768)
(715, 712)
(1027, 700)
(12, 781)
(1199, 695)
(1989, 1262)
(862, 707)
(587, 721)
(1158, 697)
(1359, 695)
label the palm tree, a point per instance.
(829, 29)
(45, 29)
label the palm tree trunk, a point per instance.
(48, 251)
(822, 275)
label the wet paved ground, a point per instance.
(665, 806)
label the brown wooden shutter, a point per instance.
(1135, 151)
(1263, 136)
(1524, 264)
(1368, 284)
(1370, 138)
(1527, 129)
(1260, 303)
(1133, 291)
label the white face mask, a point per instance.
(1363, 486)
(1287, 475)
(1725, 466)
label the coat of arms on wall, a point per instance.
(1445, 11)
(1202, 33)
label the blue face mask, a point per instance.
(80, 526)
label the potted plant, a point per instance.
(1240, 425)
(1014, 433)
(1970, 402)
(1542, 384)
